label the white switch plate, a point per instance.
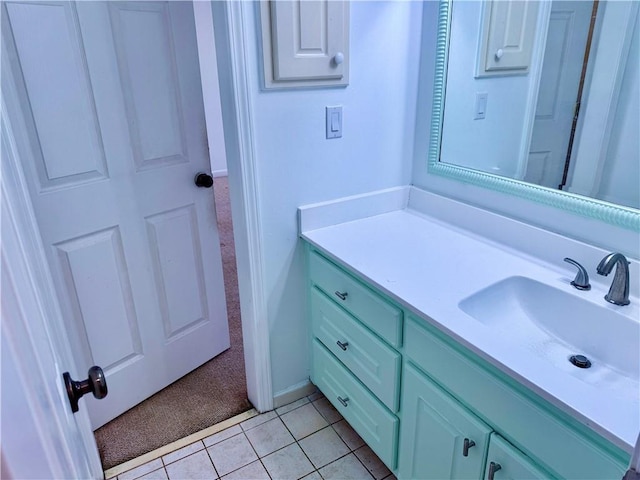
(334, 121)
(481, 106)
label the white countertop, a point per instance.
(428, 267)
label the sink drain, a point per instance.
(580, 361)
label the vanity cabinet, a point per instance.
(428, 406)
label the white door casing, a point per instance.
(111, 133)
(558, 91)
(602, 91)
(233, 53)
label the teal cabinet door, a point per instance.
(505, 462)
(439, 438)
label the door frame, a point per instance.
(240, 146)
(237, 117)
(600, 98)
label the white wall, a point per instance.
(586, 229)
(296, 165)
(492, 144)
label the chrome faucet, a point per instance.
(619, 290)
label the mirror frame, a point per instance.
(618, 215)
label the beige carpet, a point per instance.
(211, 393)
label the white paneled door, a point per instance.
(106, 103)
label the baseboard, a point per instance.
(219, 173)
(294, 393)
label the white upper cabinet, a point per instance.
(305, 43)
(507, 37)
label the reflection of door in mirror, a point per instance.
(563, 69)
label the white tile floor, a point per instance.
(307, 439)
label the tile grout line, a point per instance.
(350, 450)
(298, 440)
(295, 440)
(244, 432)
(329, 425)
(206, 449)
(165, 464)
(282, 448)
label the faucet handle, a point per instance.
(581, 282)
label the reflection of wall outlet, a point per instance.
(481, 106)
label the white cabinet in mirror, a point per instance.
(563, 126)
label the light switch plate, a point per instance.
(481, 106)
(334, 121)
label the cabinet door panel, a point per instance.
(433, 432)
(306, 36)
(513, 463)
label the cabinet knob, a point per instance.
(466, 446)
(343, 346)
(343, 401)
(341, 295)
(493, 468)
(499, 54)
(338, 58)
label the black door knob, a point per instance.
(96, 384)
(203, 180)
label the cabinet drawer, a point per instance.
(379, 315)
(375, 424)
(375, 363)
(546, 435)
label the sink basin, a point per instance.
(555, 324)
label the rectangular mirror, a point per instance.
(541, 99)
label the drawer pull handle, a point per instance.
(493, 468)
(467, 445)
(341, 296)
(343, 401)
(343, 346)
